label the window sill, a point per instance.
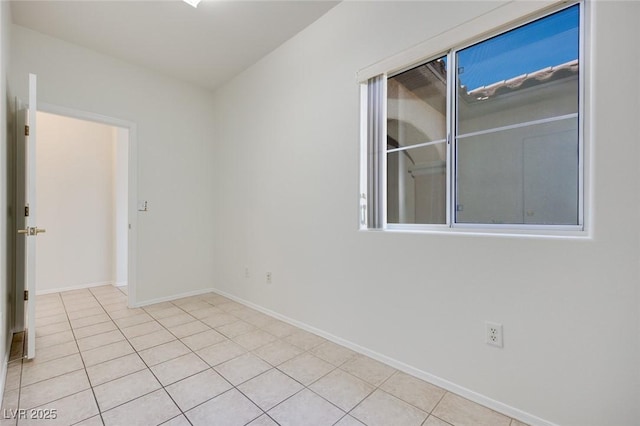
(514, 231)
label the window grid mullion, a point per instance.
(518, 125)
(418, 145)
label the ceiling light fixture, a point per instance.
(193, 3)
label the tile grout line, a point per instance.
(57, 399)
(248, 351)
(84, 365)
(163, 387)
(307, 351)
(228, 338)
(236, 387)
(193, 352)
(146, 365)
(438, 403)
(257, 326)
(210, 367)
(304, 387)
(22, 360)
(376, 387)
(379, 387)
(232, 386)
(436, 417)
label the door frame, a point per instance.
(132, 184)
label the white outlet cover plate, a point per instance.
(493, 333)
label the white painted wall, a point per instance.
(121, 204)
(175, 150)
(76, 187)
(287, 183)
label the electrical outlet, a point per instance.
(268, 277)
(246, 272)
(493, 334)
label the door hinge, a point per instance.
(26, 130)
(26, 211)
(26, 295)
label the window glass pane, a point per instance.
(517, 139)
(416, 185)
(417, 105)
(527, 175)
(417, 114)
(527, 74)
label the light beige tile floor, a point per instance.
(207, 360)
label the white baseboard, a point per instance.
(431, 378)
(173, 297)
(74, 287)
(120, 284)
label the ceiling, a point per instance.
(206, 46)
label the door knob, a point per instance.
(31, 231)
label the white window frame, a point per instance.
(447, 44)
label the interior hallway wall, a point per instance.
(75, 202)
(121, 203)
(287, 174)
(175, 149)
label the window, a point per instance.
(485, 135)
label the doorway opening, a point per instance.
(121, 160)
(82, 180)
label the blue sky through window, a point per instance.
(549, 41)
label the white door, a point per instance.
(30, 229)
